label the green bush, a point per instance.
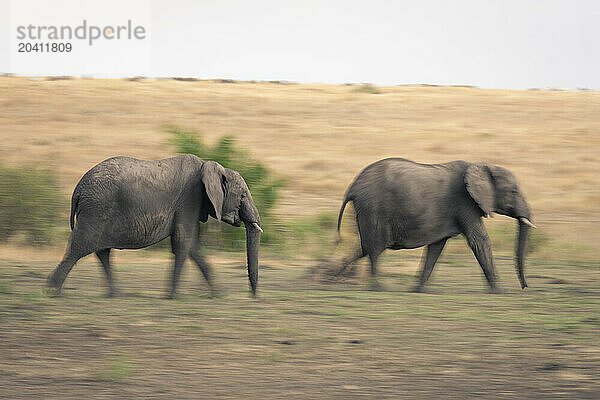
(30, 203)
(314, 235)
(263, 186)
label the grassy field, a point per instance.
(304, 338)
(318, 137)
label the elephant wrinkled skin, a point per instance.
(400, 204)
(125, 203)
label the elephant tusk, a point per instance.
(255, 225)
(527, 222)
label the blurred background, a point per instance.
(280, 94)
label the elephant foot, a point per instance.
(169, 296)
(345, 271)
(53, 291)
(216, 293)
(495, 290)
(53, 288)
(418, 289)
(114, 293)
(375, 286)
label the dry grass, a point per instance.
(320, 136)
(301, 339)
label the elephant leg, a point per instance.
(373, 239)
(204, 268)
(57, 278)
(349, 261)
(432, 253)
(373, 281)
(104, 257)
(180, 257)
(180, 247)
(373, 259)
(480, 244)
(77, 249)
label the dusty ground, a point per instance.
(301, 339)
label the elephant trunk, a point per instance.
(252, 243)
(521, 249)
(249, 215)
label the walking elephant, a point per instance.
(125, 203)
(400, 204)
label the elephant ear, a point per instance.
(212, 178)
(478, 180)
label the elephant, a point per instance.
(126, 203)
(401, 204)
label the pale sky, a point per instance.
(492, 44)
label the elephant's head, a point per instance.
(495, 189)
(230, 201)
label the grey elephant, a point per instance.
(125, 203)
(400, 204)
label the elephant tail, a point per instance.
(74, 204)
(339, 224)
